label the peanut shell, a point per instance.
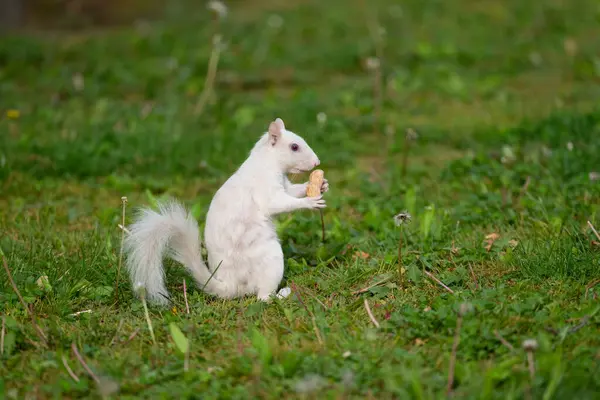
(315, 181)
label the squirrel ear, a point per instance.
(275, 129)
(280, 124)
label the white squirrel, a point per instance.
(240, 237)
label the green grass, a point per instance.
(498, 100)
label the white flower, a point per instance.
(594, 176)
(218, 7)
(570, 146)
(139, 287)
(347, 354)
(401, 218)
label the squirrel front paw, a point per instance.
(314, 202)
(324, 186)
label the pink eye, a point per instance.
(294, 147)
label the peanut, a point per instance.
(315, 181)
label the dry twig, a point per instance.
(312, 315)
(122, 226)
(83, 364)
(503, 341)
(474, 277)
(371, 316)
(39, 331)
(116, 332)
(69, 370)
(461, 314)
(187, 306)
(429, 274)
(2, 335)
(594, 230)
(591, 285)
(366, 289)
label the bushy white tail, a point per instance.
(171, 232)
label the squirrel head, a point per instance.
(291, 152)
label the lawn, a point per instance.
(479, 118)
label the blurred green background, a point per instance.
(500, 172)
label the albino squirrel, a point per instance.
(240, 237)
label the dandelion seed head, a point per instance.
(389, 130)
(218, 7)
(535, 59)
(321, 118)
(275, 21)
(310, 383)
(216, 41)
(547, 152)
(411, 134)
(139, 288)
(401, 218)
(530, 344)
(373, 63)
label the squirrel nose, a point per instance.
(317, 162)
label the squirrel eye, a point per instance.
(294, 147)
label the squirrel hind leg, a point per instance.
(281, 294)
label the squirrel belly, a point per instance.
(244, 253)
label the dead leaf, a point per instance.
(361, 254)
(490, 239)
(513, 243)
(419, 342)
